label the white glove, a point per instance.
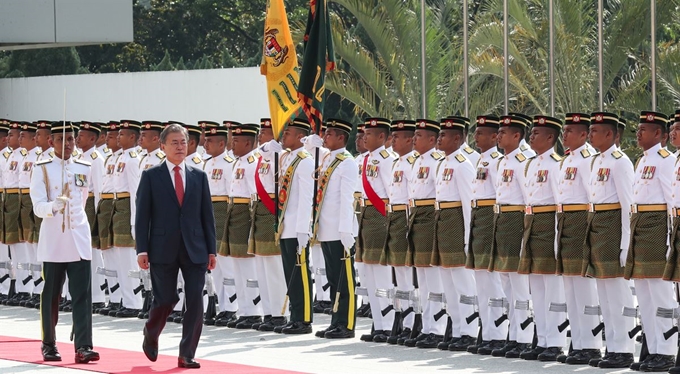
(312, 141)
(273, 146)
(622, 257)
(303, 240)
(347, 241)
(132, 232)
(59, 204)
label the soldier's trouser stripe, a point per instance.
(350, 287)
(305, 285)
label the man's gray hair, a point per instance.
(173, 128)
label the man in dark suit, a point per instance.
(175, 230)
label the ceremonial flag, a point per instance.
(317, 59)
(280, 66)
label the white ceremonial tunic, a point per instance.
(336, 214)
(149, 159)
(298, 214)
(75, 243)
(470, 153)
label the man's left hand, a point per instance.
(212, 262)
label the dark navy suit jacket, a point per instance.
(161, 223)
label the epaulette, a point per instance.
(617, 155)
(437, 156)
(256, 154)
(7, 154)
(197, 160)
(133, 154)
(495, 155)
(469, 150)
(94, 155)
(43, 162)
(82, 162)
(556, 157)
(160, 155)
(38, 152)
(251, 159)
(460, 158)
(107, 150)
(415, 153)
(303, 154)
(663, 152)
(585, 153)
(412, 159)
(523, 147)
(342, 156)
(23, 152)
(520, 157)
(52, 154)
(228, 159)
(75, 153)
(384, 153)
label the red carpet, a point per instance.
(118, 360)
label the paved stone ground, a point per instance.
(304, 353)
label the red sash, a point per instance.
(378, 203)
(261, 191)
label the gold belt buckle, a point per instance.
(496, 208)
(591, 207)
(633, 208)
(389, 208)
(474, 203)
(436, 205)
(528, 209)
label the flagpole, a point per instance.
(652, 9)
(466, 62)
(423, 68)
(600, 67)
(552, 56)
(506, 76)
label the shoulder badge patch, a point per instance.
(43, 162)
(384, 153)
(520, 157)
(133, 154)
(75, 153)
(469, 150)
(617, 154)
(585, 153)
(197, 160)
(437, 156)
(228, 159)
(411, 159)
(94, 155)
(495, 155)
(38, 152)
(251, 159)
(341, 156)
(160, 155)
(460, 158)
(663, 153)
(23, 152)
(523, 147)
(556, 157)
(81, 162)
(7, 154)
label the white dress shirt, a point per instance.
(182, 173)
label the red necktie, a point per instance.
(179, 186)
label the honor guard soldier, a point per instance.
(394, 252)
(149, 140)
(489, 286)
(12, 215)
(539, 252)
(646, 260)
(194, 158)
(360, 146)
(218, 167)
(572, 215)
(262, 243)
(375, 182)
(421, 232)
(42, 139)
(5, 261)
(65, 243)
(523, 145)
(606, 245)
(103, 228)
(125, 181)
(102, 146)
(454, 176)
(86, 141)
(508, 229)
(237, 225)
(30, 224)
(335, 226)
(295, 194)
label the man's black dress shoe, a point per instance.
(273, 323)
(550, 354)
(248, 322)
(127, 313)
(530, 354)
(507, 347)
(411, 342)
(321, 333)
(583, 357)
(369, 337)
(298, 328)
(463, 343)
(394, 339)
(49, 352)
(188, 363)
(517, 351)
(486, 349)
(279, 329)
(150, 347)
(617, 361)
(256, 325)
(340, 332)
(226, 319)
(431, 341)
(659, 363)
(85, 355)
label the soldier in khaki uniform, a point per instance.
(652, 190)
